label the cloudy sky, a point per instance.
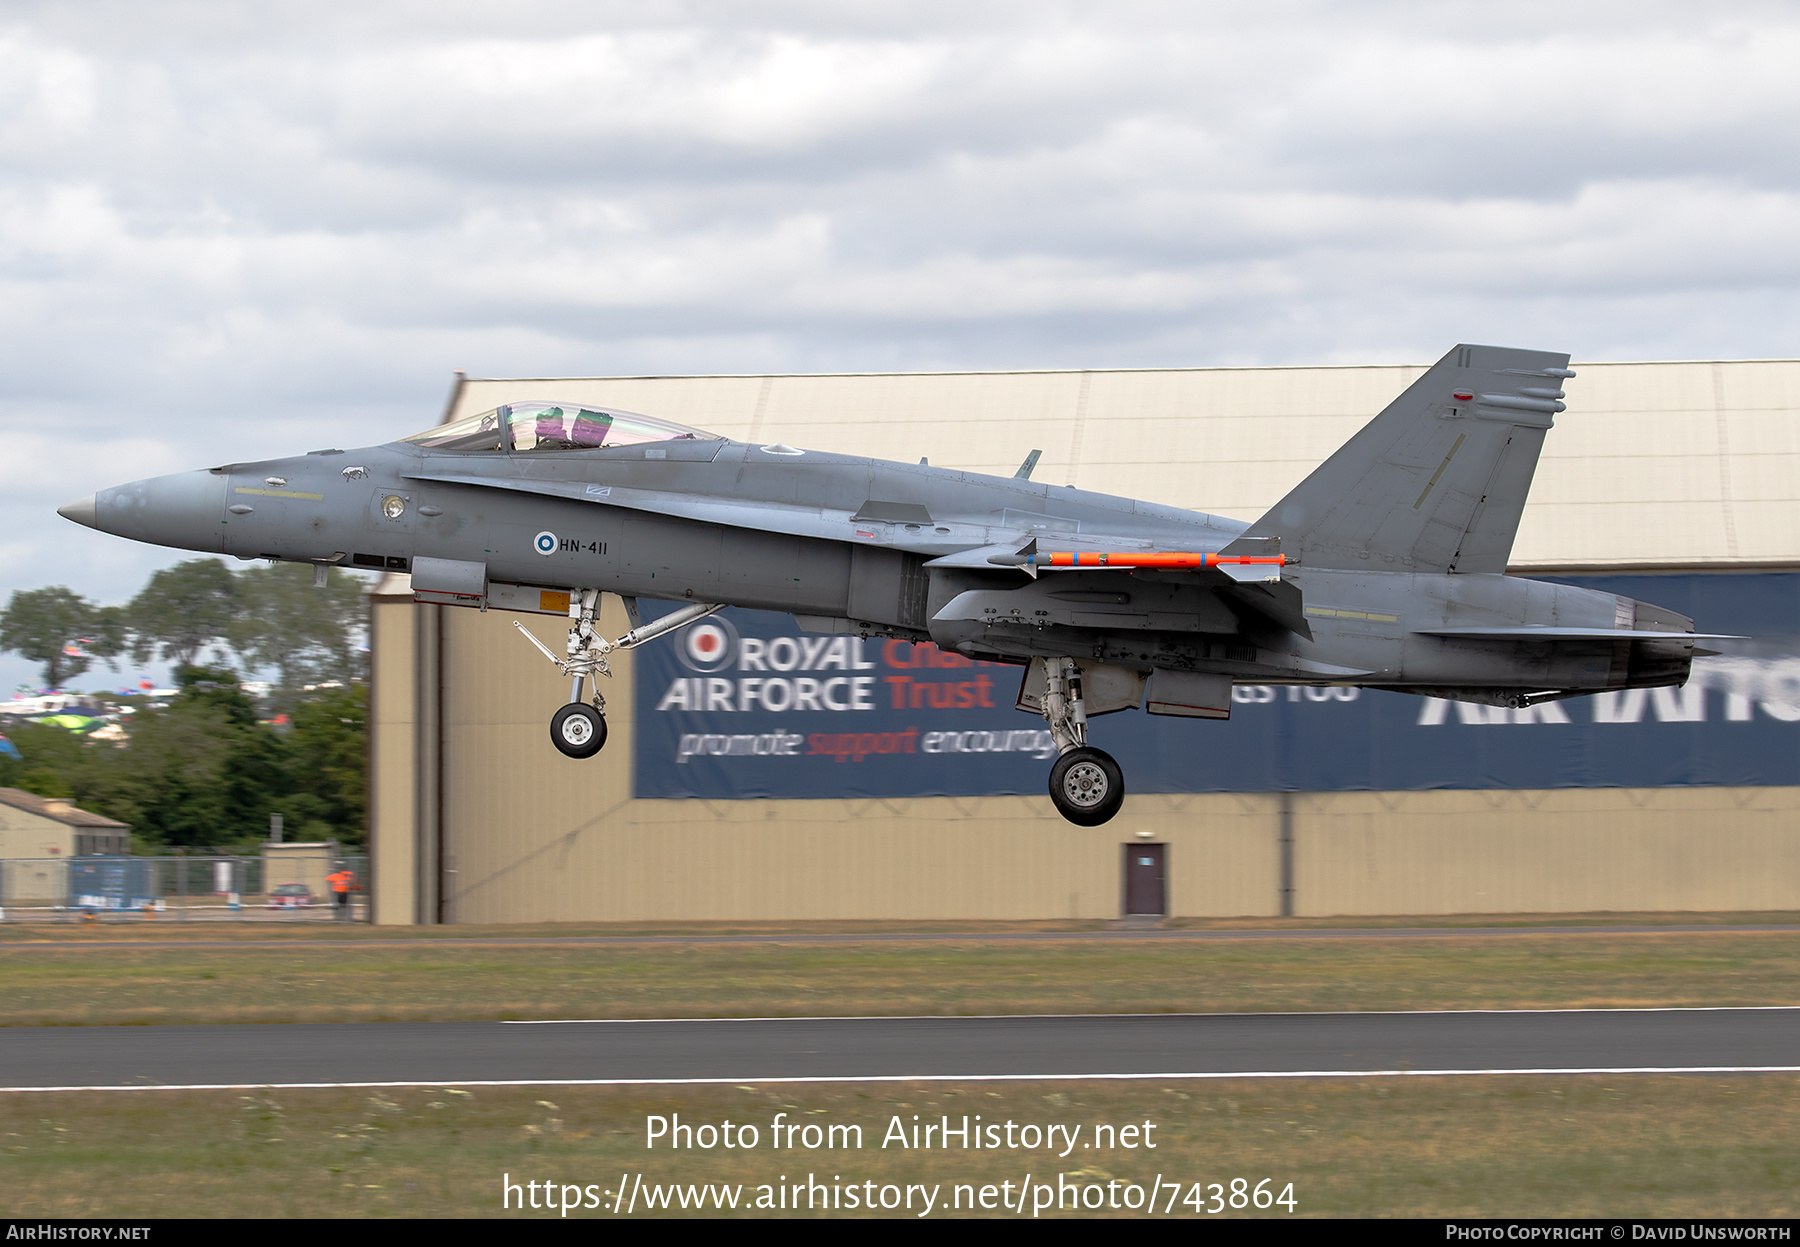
(230, 231)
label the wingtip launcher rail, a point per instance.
(1156, 558)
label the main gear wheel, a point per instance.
(1087, 786)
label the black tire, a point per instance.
(578, 730)
(1087, 787)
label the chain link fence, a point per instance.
(185, 887)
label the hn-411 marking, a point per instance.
(1382, 569)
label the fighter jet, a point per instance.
(1385, 568)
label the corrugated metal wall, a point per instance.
(1653, 465)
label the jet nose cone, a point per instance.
(81, 511)
(183, 510)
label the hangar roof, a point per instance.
(1688, 463)
(56, 809)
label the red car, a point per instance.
(291, 896)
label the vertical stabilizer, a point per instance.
(1437, 481)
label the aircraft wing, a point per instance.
(826, 523)
(795, 521)
(1269, 598)
(1257, 588)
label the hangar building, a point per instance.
(1677, 481)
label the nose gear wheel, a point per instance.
(578, 730)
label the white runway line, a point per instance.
(740, 1080)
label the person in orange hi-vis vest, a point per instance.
(343, 882)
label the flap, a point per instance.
(1280, 603)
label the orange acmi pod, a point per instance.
(1066, 558)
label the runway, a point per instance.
(1145, 935)
(936, 1048)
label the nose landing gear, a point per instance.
(578, 730)
(1086, 785)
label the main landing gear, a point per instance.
(1086, 785)
(579, 730)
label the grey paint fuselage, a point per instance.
(847, 539)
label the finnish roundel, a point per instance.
(708, 646)
(544, 543)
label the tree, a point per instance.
(329, 747)
(111, 634)
(308, 635)
(49, 762)
(44, 625)
(202, 771)
(182, 610)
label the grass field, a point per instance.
(1644, 1146)
(164, 928)
(108, 978)
(1408, 1147)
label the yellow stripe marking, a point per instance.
(279, 493)
(1430, 484)
(1335, 614)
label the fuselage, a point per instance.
(864, 545)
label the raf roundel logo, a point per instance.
(710, 645)
(544, 543)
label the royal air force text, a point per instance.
(773, 689)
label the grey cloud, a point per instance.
(229, 231)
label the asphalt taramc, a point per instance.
(746, 705)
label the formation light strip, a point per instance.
(279, 493)
(1330, 613)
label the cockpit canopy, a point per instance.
(536, 427)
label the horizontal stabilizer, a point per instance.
(1279, 603)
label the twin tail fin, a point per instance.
(1437, 481)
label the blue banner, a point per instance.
(745, 705)
(110, 883)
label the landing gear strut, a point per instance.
(1086, 785)
(579, 730)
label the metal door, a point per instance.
(1144, 887)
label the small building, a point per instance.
(34, 826)
(300, 861)
(38, 838)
